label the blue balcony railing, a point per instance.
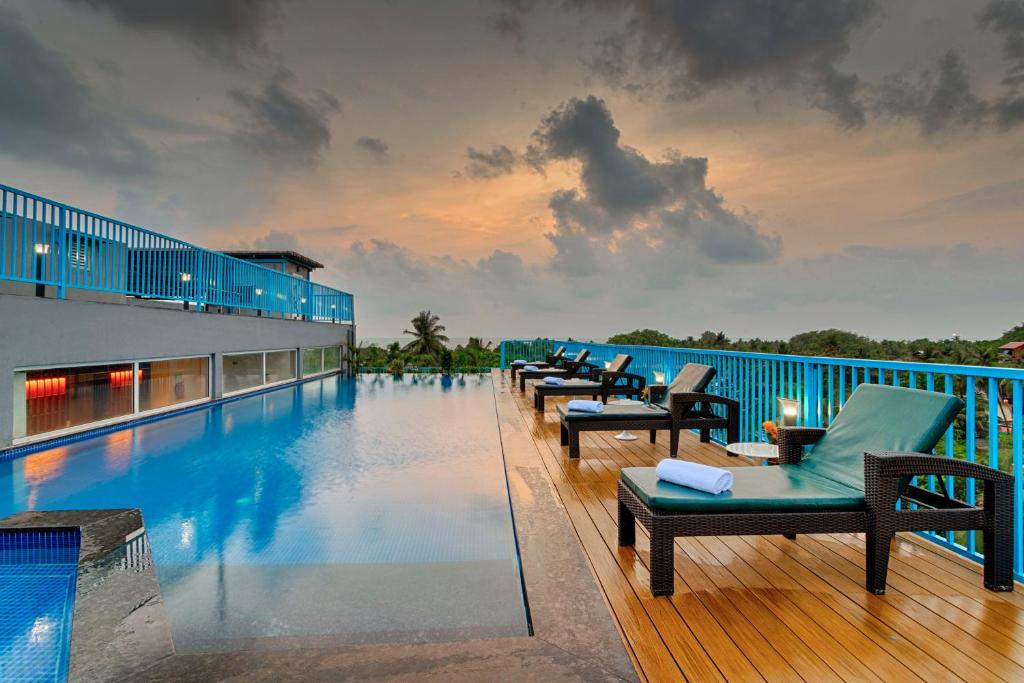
(988, 431)
(52, 244)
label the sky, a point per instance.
(565, 168)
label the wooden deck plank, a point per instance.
(750, 608)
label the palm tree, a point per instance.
(428, 335)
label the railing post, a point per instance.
(62, 251)
(502, 352)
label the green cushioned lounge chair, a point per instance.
(849, 482)
(614, 381)
(553, 360)
(684, 405)
(567, 368)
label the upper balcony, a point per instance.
(52, 245)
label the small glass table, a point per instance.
(768, 452)
(626, 435)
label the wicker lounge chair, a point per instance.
(850, 482)
(567, 369)
(685, 405)
(552, 360)
(614, 381)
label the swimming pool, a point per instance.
(338, 511)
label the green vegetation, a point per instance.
(842, 344)
(427, 350)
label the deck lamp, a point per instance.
(186, 277)
(42, 249)
(659, 377)
(259, 292)
(607, 364)
(788, 411)
(302, 300)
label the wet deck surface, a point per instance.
(764, 607)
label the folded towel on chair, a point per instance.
(531, 368)
(694, 475)
(557, 381)
(586, 406)
(519, 362)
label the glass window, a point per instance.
(167, 382)
(68, 397)
(280, 366)
(332, 358)
(312, 361)
(242, 371)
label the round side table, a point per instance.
(767, 452)
(627, 435)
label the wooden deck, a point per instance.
(766, 608)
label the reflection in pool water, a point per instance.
(336, 511)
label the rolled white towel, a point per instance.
(557, 381)
(519, 362)
(530, 368)
(581, 406)
(694, 475)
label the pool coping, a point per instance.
(118, 623)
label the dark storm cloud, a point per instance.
(1006, 17)
(941, 98)
(51, 115)
(282, 125)
(701, 45)
(225, 30)
(374, 146)
(493, 164)
(658, 212)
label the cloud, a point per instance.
(227, 31)
(508, 22)
(1006, 17)
(374, 146)
(659, 215)
(695, 46)
(487, 165)
(276, 240)
(942, 98)
(50, 114)
(283, 126)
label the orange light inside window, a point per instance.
(119, 378)
(46, 387)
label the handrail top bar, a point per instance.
(908, 366)
(84, 212)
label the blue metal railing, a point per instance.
(989, 430)
(48, 243)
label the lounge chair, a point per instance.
(685, 405)
(568, 369)
(553, 360)
(614, 381)
(850, 482)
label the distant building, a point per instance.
(1014, 350)
(289, 262)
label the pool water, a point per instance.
(338, 511)
(37, 593)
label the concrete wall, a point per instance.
(37, 332)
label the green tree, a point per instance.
(428, 335)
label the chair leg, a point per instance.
(662, 568)
(705, 436)
(998, 538)
(627, 525)
(574, 442)
(564, 434)
(654, 436)
(522, 382)
(538, 401)
(791, 537)
(876, 564)
(673, 441)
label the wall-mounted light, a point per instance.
(659, 377)
(303, 300)
(41, 248)
(607, 364)
(186, 277)
(259, 292)
(333, 307)
(788, 411)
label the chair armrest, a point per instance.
(609, 378)
(792, 441)
(892, 465)
(680, 402)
